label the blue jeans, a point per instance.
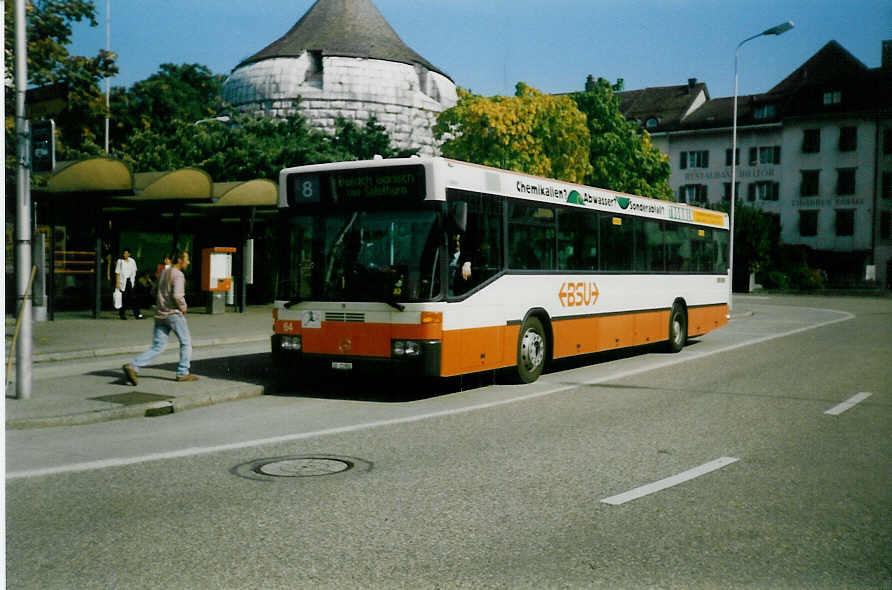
(161, 332)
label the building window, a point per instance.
(845, 181)
(726, 192)
(848, 139)
(810, 186)
(765, 111)
(886, 190)
(764, 191)
(887, 141)
(886, 225)
(834, 97)
(845, 222)
(811, 141)
(728, 157)
(314, 68)
(692, 193)
(808, 223)
(765, 155)
(695, 159)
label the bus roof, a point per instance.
(449, 173)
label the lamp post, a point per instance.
(777, 30)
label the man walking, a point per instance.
(170, 314)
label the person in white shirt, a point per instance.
(125, 282)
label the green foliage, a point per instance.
(364, 143)
(187, 92)
(788, 268)
(248, 147)
(49, 24)
(622, 157)
(530, 132)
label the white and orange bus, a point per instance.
(434, 267)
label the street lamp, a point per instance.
(776, 30)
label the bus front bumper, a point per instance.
(426, 363)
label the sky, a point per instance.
(487, 46)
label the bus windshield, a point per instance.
(378, 255)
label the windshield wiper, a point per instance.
(292, 302)
(395, 305)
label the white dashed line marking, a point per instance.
(849, 403)
(669, 481)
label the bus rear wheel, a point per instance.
(678, 329)
(531, 347)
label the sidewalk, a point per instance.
(77, 377)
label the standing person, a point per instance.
(162, 267)
(170, 314)
(125, 282)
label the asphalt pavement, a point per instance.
(77, 376)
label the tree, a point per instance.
(530, 132)
(622, 157)
(49, 24)
(247, 146)
(187, 92)
(364, 143)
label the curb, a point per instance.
(72, 355)
(139, 411)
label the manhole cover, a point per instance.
(303, 467)
(298, 466)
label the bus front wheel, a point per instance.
(678, 329)
(530, 350)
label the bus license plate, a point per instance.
(341, 366)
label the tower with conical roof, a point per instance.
(342, 58)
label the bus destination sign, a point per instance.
(388, 182)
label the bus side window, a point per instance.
(656, 251)
(532, 237)
(480, 243)
(577, 240)
(617, 242)
(678, 248)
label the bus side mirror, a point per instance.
(458, 216)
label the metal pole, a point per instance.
(107, 80)
(23, 352)
(733, 182)
(776, 30)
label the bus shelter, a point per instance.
(90, 209)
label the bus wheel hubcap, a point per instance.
(532, 350)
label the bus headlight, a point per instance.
(291, 343)
(404, 348)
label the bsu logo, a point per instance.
(578, 294)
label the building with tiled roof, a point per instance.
(342, 58)
(815, 150)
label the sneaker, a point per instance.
(188, 377)
(130, 374)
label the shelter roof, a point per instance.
(96, 175)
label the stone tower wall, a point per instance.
(404, 98)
